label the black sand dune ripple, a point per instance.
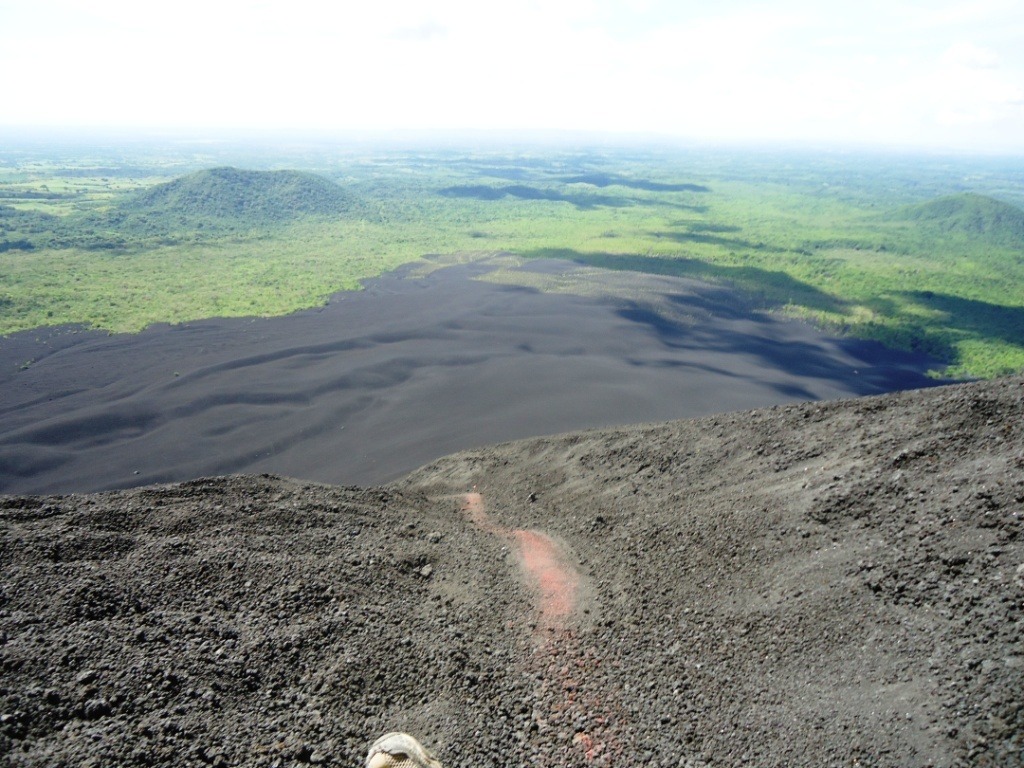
(412, 368)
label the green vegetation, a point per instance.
(975, 216)
(232, 199)
(925, 254)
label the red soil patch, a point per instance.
(558, 656)
(555, 582)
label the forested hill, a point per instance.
(972, 215)
(236, 196)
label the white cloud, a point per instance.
(959, 14)
(882, 70)
(968, 55)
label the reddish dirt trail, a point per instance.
(555, 581)
(564, 664)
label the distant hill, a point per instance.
(232, 196)
(971, 214)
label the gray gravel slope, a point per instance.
(824, 584)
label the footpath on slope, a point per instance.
(560, 664)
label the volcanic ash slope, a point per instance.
(833, 583)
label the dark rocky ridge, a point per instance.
(835, 583)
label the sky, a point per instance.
(930, 74)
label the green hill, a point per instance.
(973, 215)
(233, 197)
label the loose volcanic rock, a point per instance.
(823, 584)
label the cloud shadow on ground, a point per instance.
(523, 192)
(992, 321)
(610, 179)
(769, 288)
(709, 239)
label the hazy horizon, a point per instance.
(887, 75)
(495, 140)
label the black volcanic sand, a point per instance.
(410, 369)
(826, 584)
